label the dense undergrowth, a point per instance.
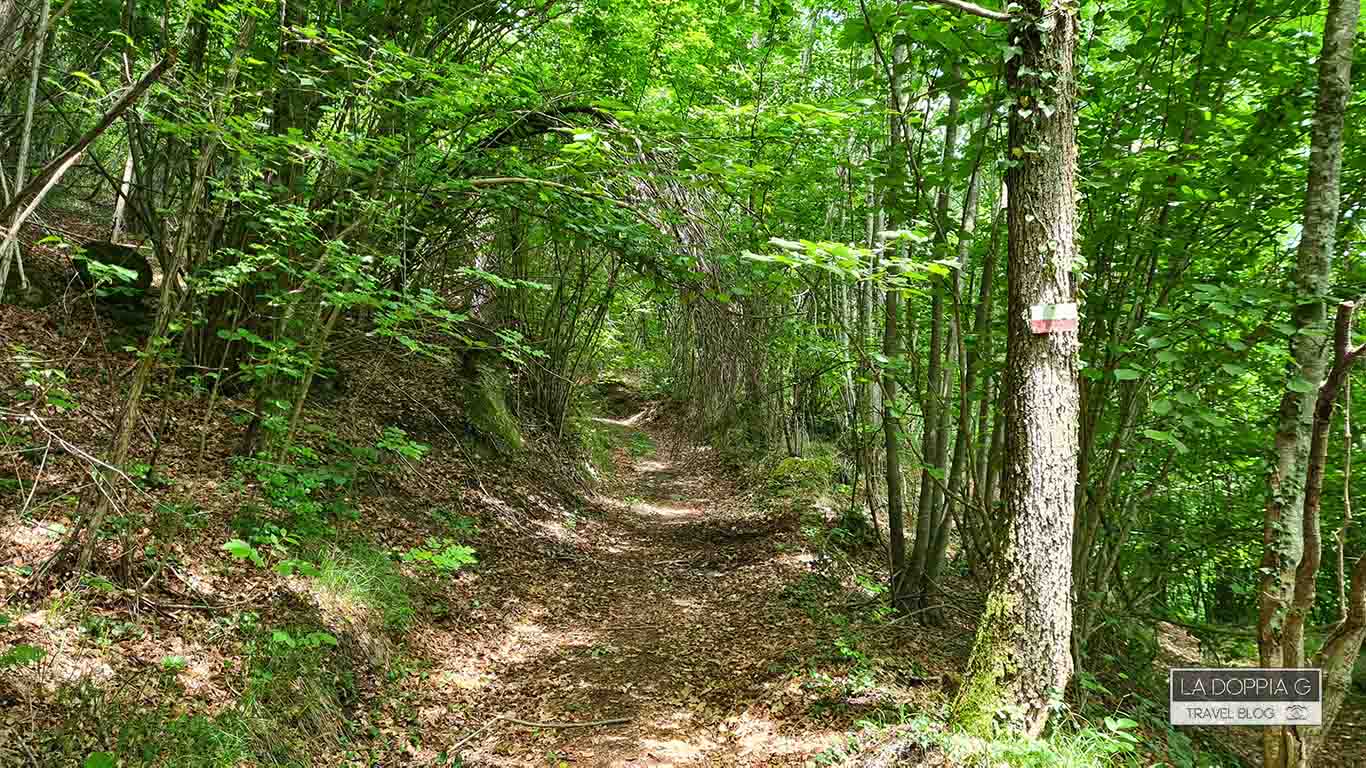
(242, 610)
(270, 615)
(255, 611)
(847, 589)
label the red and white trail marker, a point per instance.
(1051, 318)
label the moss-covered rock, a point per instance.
(803, 474)
(121, 270)
(486, 407)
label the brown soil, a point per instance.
(673, 611)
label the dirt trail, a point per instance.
(675, 604)
(666, 609)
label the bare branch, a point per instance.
(57, 165)
(973, 9)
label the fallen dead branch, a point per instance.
(586, 724)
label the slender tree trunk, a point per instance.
(1298, 745)
(840, 295)
(968, 364)
(1339, 654)
(166, 307)
(9, 248)
(988, 416)
(891, 420)
(315, 357)
(929, 446)
(1021, 660)
(991, 491)
(1286, 520)
(891, 430)
(864, 404)
(934, 407)
(125, 187)
(39, 186)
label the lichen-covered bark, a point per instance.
(1022, 660)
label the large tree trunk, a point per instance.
(1285, 524)
(1021, 659)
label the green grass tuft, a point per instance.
(367, 578)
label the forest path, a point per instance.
(669, 607)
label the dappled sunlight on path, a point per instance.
(670, 614)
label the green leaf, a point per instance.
(241, 550)
(91, 82)
(20, 655)
(1120, 723)
(1126, 374)
(100, 760)
(292, 566)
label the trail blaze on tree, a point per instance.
(772, 346)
